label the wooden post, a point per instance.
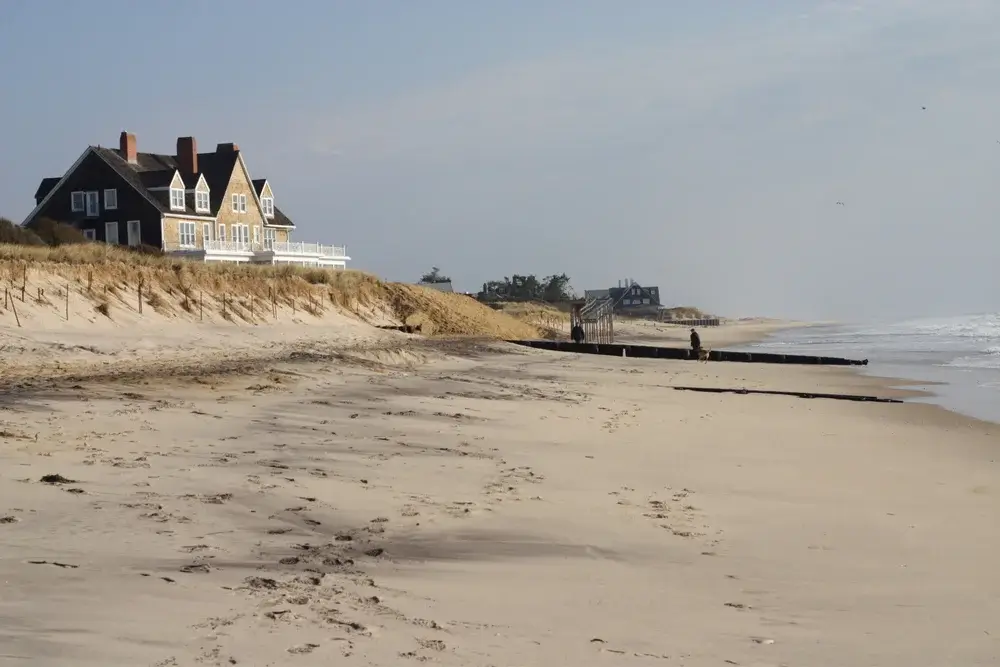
(223, 306)
(6, 298)
(90, 279)
(14, 308)
(293, 305)
(274, 303)
(24, 281)
(67, 302)
(201, 306)
(251, 304)
(140, 296)
(39, 297)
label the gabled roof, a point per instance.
(45, 187)
(152, 170)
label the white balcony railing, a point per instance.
(299, 248)
(229, 246)
(287, 248)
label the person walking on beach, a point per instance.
(577, 333)
(695, 343)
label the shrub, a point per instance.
(57, 233)
(13, 233)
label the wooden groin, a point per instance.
(681, 353)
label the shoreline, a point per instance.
(898, 385)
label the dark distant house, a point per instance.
(635, 297)
(202, 206)
(441, 286)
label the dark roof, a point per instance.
(45, 187)
(258, 185)
(160, 178)
(152, 170)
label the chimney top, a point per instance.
(187, 154)
(127, 146)
(226, 148)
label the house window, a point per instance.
(241, 233)
(645, 301)
(267, 203)
(201, 204)
(76, 201)
(239, 203)
(256, 235)
(90, 234)
(222, 233)
(176, 199)
(134, 231)
(269, 235)
(110, 232)
(206, 231)
(185, 234)
(93, 205)
(110, 199)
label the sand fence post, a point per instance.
(67, 302)
(24, 281)
(140, 296)
(14, 308)
(201, 306)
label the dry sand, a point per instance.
(360, 499)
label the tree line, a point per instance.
(529, 287)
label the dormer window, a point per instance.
(239, 203)
(267, 203)
(201, 203)
(176, 199)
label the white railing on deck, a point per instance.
(276, 247)
(229, 246)
(300, 248)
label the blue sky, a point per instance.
(700, 146)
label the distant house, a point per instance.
(635, 297)
(628, 298)
(201, 206)
(441, 286)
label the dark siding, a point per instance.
(95, 174)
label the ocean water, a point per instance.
(960, 353)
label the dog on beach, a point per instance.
(703, 353)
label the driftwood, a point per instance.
(799, 394)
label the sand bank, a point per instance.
(390, 500)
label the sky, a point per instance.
(701, 146)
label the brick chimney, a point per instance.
(187, 154)
(127, 145)
(226, 148)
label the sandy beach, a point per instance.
(335, 494)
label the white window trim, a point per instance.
(138, 231)
(95, 197)
(198, 206)
(256, 235)
(243, 203)
(83, 201)
(173, 205)
(267, 203)
(236, 203)
(90, 234)
(108, 226)
(222, 233)
(193, 231)
(111, 203)
(206, 231)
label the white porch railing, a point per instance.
(300, 248)
(287, 248)
(229, 246)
